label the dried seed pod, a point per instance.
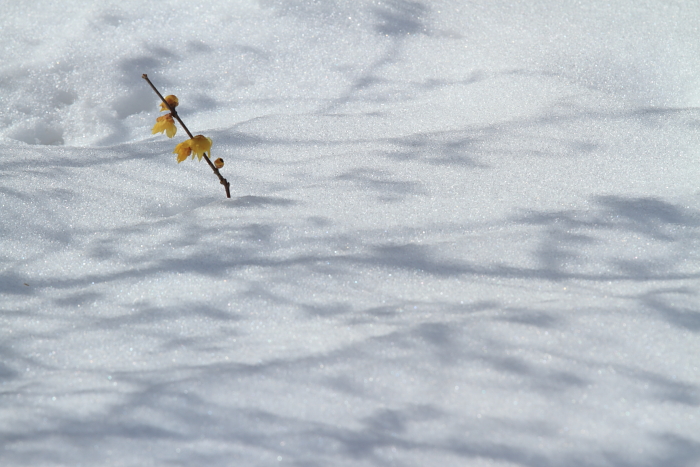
(218, 163)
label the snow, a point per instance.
(460, 233)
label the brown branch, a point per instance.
(173, 112)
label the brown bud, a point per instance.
(218, 163)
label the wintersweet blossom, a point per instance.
(165, 124)
(196, 146)
(172, 100)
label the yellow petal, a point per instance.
(183, 150)
(172, 100)
(201, 144)
(165, 124)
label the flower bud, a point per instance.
(172, 102)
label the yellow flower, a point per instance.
(172, 100)
(165, 124)
(197, 145)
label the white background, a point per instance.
(460, 233)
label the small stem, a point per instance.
(173, 112)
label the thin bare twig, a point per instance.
(173, 112)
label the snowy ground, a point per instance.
(461, 233)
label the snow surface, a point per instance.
(461, 233)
